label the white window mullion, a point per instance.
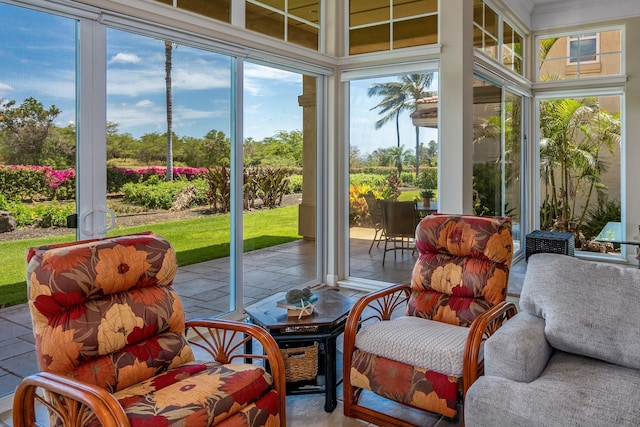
(91, 177)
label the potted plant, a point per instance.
(426, 195)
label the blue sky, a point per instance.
(42, 64)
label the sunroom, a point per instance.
(249, 87)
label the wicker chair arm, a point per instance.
(380, 305)
(481, 329)
(383, 303)
(225, 341)
(74, 402)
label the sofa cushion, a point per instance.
(589, 308)
(572, 391)
(198, 393)
(417, 342)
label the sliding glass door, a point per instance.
(497, 154)
(38, 148)
(393, 155)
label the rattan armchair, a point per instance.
(114, 348)
(420, 344)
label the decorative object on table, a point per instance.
(427, 195)
(298, 302)
(295, 295)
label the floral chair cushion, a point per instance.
(462, 269)
(199, 394)
(104, 312)
(411, 385)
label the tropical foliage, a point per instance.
(576, 134)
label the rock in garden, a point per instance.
(7, 222)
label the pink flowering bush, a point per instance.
(118, 177)
(29, 183)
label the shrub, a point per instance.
(374, 180)
(23, 182)
(117, 177)
(42, 215)
(408, 178)
(295, 184)
(53, 214)
(157, 194)
(428, 178)
(358, 210)
(268, 184)
(604, 212)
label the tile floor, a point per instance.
(17, 355)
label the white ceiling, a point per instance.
(547, 14)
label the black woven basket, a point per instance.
(555, 242)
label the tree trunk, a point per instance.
(417, 152)
(167, 68)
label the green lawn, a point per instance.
(195, 240)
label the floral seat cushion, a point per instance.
(418, 387)
(202, 394)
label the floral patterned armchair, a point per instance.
(420, 344)
(114, 348)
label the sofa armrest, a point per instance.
(519, 350)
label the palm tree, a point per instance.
(602, 131)
(562, 126)
(168, 53)
(415, 86)
(398, 97)
(397, 156)
(392, 104)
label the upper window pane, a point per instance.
(485, 22)
(415, 32)
(505, 46)
(580, 55)
(407, 8)
(216, 9)
(512, 48)
(295, 21)
(380, 25)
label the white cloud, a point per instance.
(5, 89)
(259, 80)
(125, 58)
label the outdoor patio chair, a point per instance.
(399, 220)
(420, 344)
(114, 348)
(376, 218)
